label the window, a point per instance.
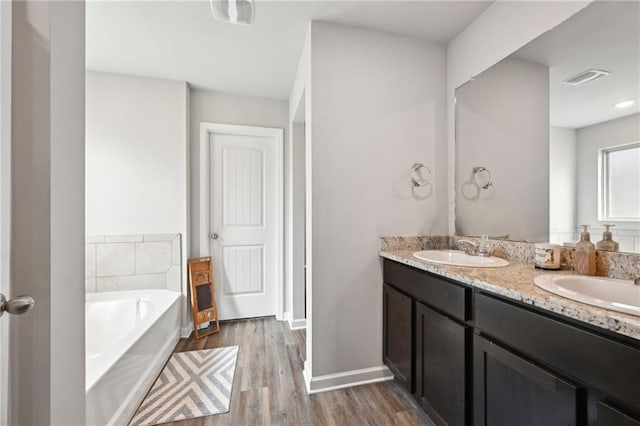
(619, 185)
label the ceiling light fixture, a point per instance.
(624, 104)
(233, 11)
(586, 77)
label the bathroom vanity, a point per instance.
(474, 350)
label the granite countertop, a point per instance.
(516, 282)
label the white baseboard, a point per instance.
(297, 324)
(294, 324)
(185, 332)
(306, 374)
(347, 379)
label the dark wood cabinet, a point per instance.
(425, 315)
(510, 390)
(441, 365)
(445, 295)
(397, 335)
(610, 416)
(470, 357)
(605, 363)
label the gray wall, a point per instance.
(562, 187)
(502, 123)
(377, 106)
(298, 226)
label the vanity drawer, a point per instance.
(436, 292)
(605, 364)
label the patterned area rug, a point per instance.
(192, 384)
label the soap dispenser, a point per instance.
(607, 242)
(585, 261)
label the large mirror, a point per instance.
(549, 138)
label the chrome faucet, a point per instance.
(637, 281)
(468, 246)
(473, 249)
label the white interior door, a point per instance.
(245, 207)
(42, 70)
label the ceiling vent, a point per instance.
(233, 11)
(585, 77)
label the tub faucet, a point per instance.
(637, 281)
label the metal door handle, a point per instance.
(214, 236)
(16, 306)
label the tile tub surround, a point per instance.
(625, 266)
(516, 282)
(130, 262)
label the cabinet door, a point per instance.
(610, 416)
(397, 316)
(441, 365)
(509, 390)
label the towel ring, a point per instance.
(483, 184)
(417, 179)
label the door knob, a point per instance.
(214, 236)
(16, 306)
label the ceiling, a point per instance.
(605, 35)
(182, 40)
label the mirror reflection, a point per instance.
(555, 127)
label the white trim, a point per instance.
(185, 332)
(297, 324)
(604, 214)
(294, 324)
(206, 130)
(347, 379)
(5, 203)
(306, 374)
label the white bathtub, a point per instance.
(129, 337)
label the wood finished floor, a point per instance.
(269, 388)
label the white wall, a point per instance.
(377, 106)
(136, 155)
(47, 351)
(562, 187)
(503, 125)
(589, 141)
(136, 158)
(221, 108)
(501, 30)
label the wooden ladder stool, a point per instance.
(203, 296)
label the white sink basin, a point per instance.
(608, 293)
(459, 258)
